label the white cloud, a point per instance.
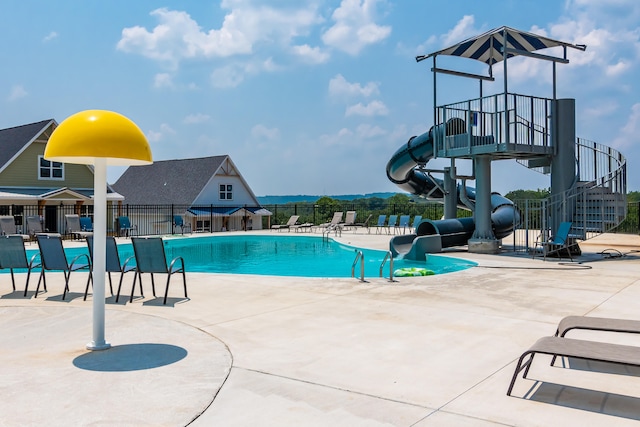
(616, 69)
(339, 86)
(604, 109)
(154, 136)
(629, 133)
(196, 118)
(365, 131)
(312, 55)
(52, 35)
(178, 36)
(227, 77)
(263, 132)
(158, 135)
(355, 27)
(374, 108)
(344, 135)
(17, 92)
(612, 40)
(162, 80)
(462, 31)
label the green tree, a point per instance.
(326, 207)
(633, 196)
(528, 194)
(399, 199)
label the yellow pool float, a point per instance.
(413, 271)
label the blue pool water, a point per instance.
(306, 256)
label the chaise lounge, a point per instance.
(292, 220)
(558, 345)
(578, 349)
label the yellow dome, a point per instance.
(91, 134)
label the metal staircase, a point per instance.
(597, 202)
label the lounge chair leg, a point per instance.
(184, 281)
(86, 289)
(133, 288)
(26, 286)
(38, 287)
(13, 280)
(166, 290)
(66, 285)
(120, 285)
(153, 285)
(519, 367)
(110, 284)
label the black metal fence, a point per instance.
(158, 219)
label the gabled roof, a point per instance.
(14, 140)
(487, 47)
(168, 181)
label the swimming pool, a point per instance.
(306, 256)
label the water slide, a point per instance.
(431, 236)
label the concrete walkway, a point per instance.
(278, 351)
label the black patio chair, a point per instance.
(53, 258)
(151, 258)
(14, 255)
(113, 264)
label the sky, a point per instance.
(308, 97)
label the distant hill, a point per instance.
(279, 200)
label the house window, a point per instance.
(50, 170)
(226, 192)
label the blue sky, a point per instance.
(306, 97)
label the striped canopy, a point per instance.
(487, 47)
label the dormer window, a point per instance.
(226, 192)
(50, 170)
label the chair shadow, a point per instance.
(612, 404)
(130, 357)
(17, 295)
(598, 366)
(171, 302)
(68, 298)
(121, 301)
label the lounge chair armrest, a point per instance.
(33, 263)
(173, 262)
(126, 264)
(74, 260)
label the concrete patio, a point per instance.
(278, 351)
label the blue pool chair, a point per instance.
(404, 223)
(151, 258)
(416, 222)
(380, 225)
(113, 264)
(86, 224)
(393, 219)
(126, 229)
(178, 221)
(14, 255)
(53, 258)
(558, 244)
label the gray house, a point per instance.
(209, 192)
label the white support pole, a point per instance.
(99, 253)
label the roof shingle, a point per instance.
(167, 181)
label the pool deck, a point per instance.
(284, 351)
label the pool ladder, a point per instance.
(337, 228)
(360, 258)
